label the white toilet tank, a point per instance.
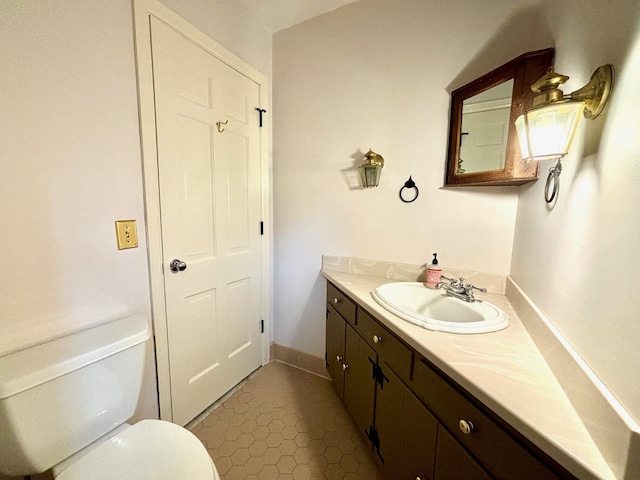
(58, 397)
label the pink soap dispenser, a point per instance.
(433, 273)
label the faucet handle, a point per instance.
(452, 281)
(469, 288)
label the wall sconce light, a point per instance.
(371, 168)
(546, 130)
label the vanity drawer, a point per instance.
(500, 454)
(341, 303)
(394, 353)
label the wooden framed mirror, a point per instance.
(483, 144)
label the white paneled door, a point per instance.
(209, 168)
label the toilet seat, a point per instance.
(148, 450)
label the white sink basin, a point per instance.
(434, 310)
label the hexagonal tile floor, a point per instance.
(285, 423)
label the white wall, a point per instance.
(234, 25)
(372, 74)
(580, 261)
(70, 166)
(70, 160)
(378, 74)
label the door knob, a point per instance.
(177, 266)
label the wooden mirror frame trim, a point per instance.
(524, 70)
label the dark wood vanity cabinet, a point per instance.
(405, 430)
(452, 461)
(335, 343)
(349, 359)
(500, 453)
(421, 425)
(359, 385)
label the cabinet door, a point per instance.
(359, 382)
(500, 454)
(453, 461)
(418, 445)
(388, 422)
(335, 348)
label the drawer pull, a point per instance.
(338, 358)
(345, 367)
(336, 300)
(377, 339)
(466, 426)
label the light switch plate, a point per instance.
(126, 234)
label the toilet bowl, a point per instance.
(150, 449)
(64, 404)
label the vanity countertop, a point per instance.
(504, 370)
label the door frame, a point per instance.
(143, 10)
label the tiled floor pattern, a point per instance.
(285, 423)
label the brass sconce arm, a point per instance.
(595, 93)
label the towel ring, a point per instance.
(553, 179)
(409, 184)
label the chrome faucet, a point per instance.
(456, 288)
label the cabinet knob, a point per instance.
(345, 367)
(466, 426)
(338, 358)
(336, 300)
(377, 339)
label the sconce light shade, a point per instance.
(371, 169)
(545, 133)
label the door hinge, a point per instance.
(261, 326)
(374, 437)
(377, 374)
(261, 111)
(261, 228)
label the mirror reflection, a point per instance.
(485, 130)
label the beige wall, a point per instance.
(378, 74)
(580, 261)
